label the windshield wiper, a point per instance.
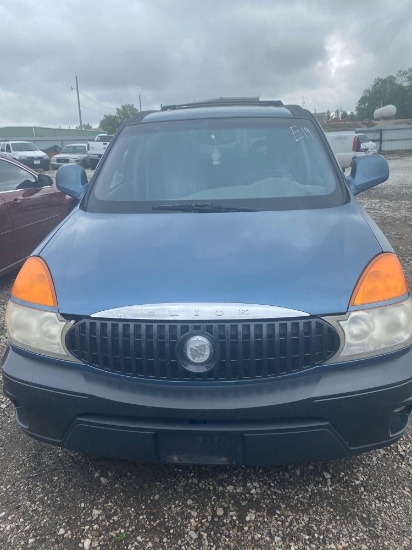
(200, 207)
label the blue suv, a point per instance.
(216, 296)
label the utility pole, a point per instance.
(140, 103)
(78, 104)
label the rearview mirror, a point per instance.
(366, 172)
(71, 179)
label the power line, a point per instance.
(94, 110)
(101, 104)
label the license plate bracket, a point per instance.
(203, 448)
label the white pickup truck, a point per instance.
(345, 145)
(96, 148)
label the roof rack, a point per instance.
(225, 102)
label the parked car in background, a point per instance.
(97, 148)
(345, 145)
(74, 153)
(30, 207)
(27, 153)
(219, 296)
(367, 145)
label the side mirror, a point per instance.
(43, 180)
(366, 172)
(71, 179)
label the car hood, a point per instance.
(30, 154)
(308, 260)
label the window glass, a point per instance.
(24, 146)
(105, 139)
(264, 163)
(74, 149)
(8, 149)
(13, 177)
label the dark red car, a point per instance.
(30, 206)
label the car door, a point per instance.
(33, 210)
(7, 257)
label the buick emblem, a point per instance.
(198, 349)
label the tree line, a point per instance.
(111, 123)
(391, 90)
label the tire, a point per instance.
(93, 164)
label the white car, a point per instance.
(74, 153)
(27, 153)
(367, 146)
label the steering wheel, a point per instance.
(274, 173)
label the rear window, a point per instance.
(262, 163)
(363, 138)
(103, 138)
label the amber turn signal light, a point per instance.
(382, 280)
(34, 283)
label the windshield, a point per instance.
(24, 146)
(363, 138)
(257, 163)
(74, 149)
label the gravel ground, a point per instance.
(52, 498)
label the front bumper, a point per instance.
(81, 160)
(44, 164)
(327, 413)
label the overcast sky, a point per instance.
(170, 51)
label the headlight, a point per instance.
(374, 331)
(19, 157)
(37, 331)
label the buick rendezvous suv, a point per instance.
(217, 296)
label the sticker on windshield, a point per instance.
(301, 132)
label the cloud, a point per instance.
(180, 50)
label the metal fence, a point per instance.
(390, 138)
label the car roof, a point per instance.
(222, 108)
(219, 112)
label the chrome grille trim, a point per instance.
(199, 312)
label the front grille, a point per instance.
(247, 350)
(62, 161)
